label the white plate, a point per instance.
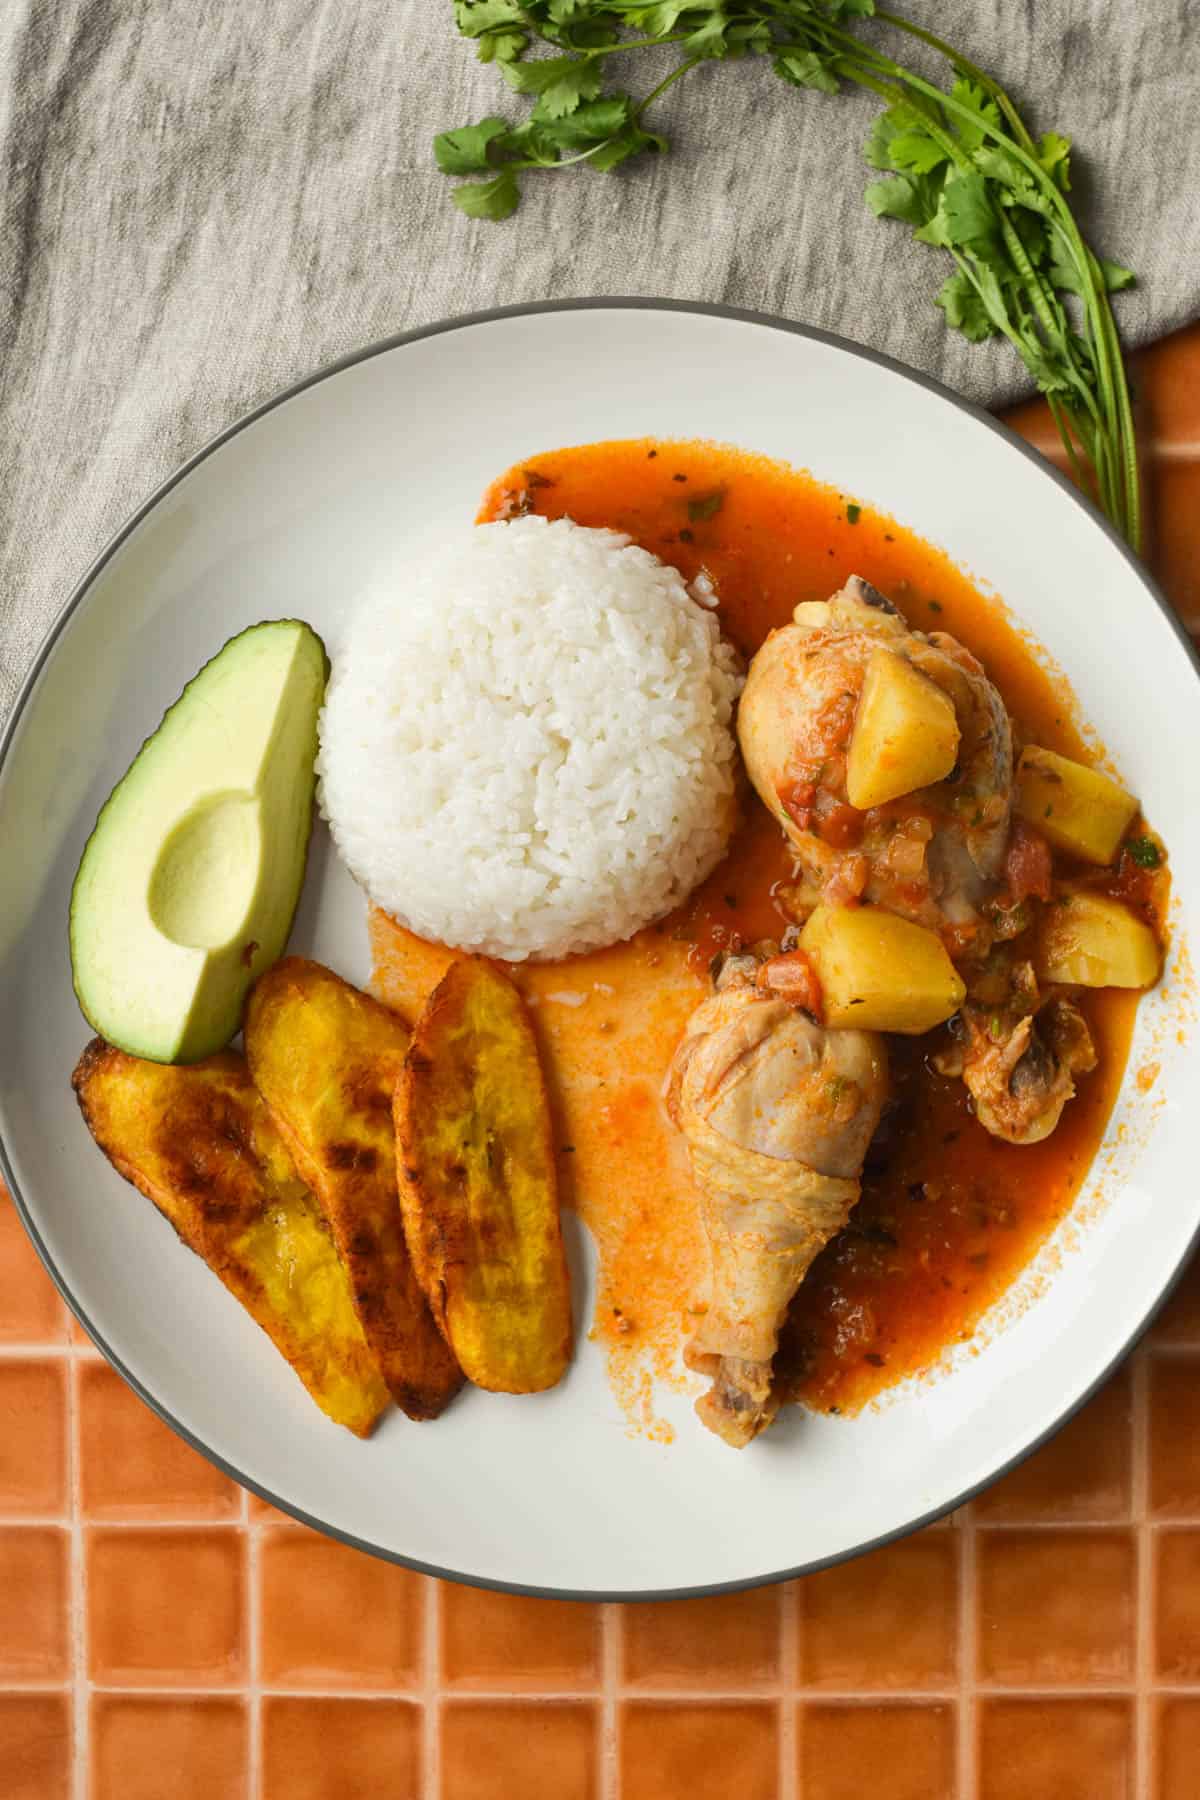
(285, 515)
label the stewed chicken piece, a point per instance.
(886, 755)
(928, 850)
(777, 1113)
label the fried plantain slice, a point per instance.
(478, 1186)
(325, 1058)
(199, 1142)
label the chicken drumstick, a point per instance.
(777, 1114)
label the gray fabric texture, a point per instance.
(202, 200)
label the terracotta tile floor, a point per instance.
(165, 1637)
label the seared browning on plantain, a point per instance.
(200, 1143)
(326, 1058)
(478, 1183)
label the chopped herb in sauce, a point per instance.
(706, 506)
(1145, 852)
(935, 606)
(853, 514)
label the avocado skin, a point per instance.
(203, 1039)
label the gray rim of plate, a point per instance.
(740, 315)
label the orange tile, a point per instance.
(1056, 1608)
(35, 1746)
(33, 1437)
(1032, 420)
(195, 1749)
(262, 1509)
(1177, 1605)
(1179, 1321)
(888, 1752)
(1056, 1750)
(333, 1617)
(79, 1336)
(888, 1620)
(511, 1641)
(340, 1750)
(493, 1751)
(132, 1466)
(34, 1585)
(1175, 547)
(30, 1309)
(730, 1641)
(1177, 1749)
(703, 1752)
(1083, 1475)
(1167, 376)
(1174, 1387)
(165, 1608)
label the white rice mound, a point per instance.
(526, 744)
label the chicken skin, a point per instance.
(1020, 1067)
(929, 855)
(777, 1114)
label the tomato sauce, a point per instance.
(949, 1216)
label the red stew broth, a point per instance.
(949, 1216)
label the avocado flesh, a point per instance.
(189, 882)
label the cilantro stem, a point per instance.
(663, 85)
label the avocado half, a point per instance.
(189, 882)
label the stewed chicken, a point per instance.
(777, 1113)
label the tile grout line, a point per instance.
(431, 1724)
(78, 1587)
(789, 1680)
(252, 1622)
(610, 1626)
(1140, 1473)
(967, 1762)
(559, 1697)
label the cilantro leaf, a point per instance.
(917, 151)
(657, 21)
(804, 68)
(971, 133)
(964, 309)
(466, 151)
(1054, 155)
(594, 120)
(1145, 852)
(878, 151)
(474, 17)
(494, 199)
(501, 46)
(560, 82)
(967, 213)
(898, 198)
(1116, 275)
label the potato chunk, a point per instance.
(880, 972)
(905, 733)
(478, 1183)
(1077, 809)
(326, 1059)
(1090, 940)
(199, 1142)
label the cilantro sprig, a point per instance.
(957, 163)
